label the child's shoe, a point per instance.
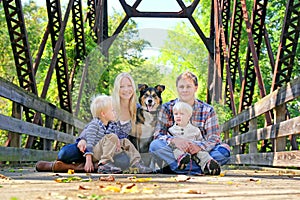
(212, 168)
(142, 169)
(109, 168)
(183, 160)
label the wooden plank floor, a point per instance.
(26, 183)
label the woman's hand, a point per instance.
(82, 145)
(89, 165)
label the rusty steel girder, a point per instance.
(233, 50)
(288, 45)
(20, 45)
(78, 30)
(97, 18)
(21, 51)
(61, 65)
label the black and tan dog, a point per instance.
(150, 102)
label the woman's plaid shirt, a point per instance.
(203, 117)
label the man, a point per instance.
(203, 117)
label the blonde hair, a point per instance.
(116, 97)
(183, 107)
(99, 104)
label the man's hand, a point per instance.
(181, 143)
(82, 145)
(193, 148)
(186, 145)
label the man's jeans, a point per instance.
(162, 151)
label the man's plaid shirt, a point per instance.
(204, 117)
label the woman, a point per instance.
(124, 101)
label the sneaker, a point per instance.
(212, 168)
(142, 169)
(109, 168)
(183, 160)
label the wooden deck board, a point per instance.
(26, 183)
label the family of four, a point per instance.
(186, 138)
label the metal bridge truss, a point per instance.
(223, 45)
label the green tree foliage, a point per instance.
(124, 55)
(184, 50)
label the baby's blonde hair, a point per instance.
(183, 107)
(99, 104)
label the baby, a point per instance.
(182, 113)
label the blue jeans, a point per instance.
(70, 154)
(162, 151)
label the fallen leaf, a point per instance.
(81, 187)
(195, 192)
(4, 177)
(87, 180)
(61, 180)
(182, 178)
(111, 188)
(107, 178)
(67, 180)
(140, 180)
(129, 188)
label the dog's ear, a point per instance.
(160, 88)
(141, 87)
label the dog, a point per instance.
(150, 101)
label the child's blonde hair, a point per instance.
(99, 104)
(183, 107)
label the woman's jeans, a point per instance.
(70, 153)
(162, 151)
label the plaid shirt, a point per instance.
(203, 117)
(95, 131)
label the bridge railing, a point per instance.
(277, 133)
(18, 128)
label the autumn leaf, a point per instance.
(195, 192)
(182, 178)
(140, 180)
(81, 187)
(111, 188)
(108, 178)
(67, 180)
(129, 188)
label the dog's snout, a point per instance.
(150, 100)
